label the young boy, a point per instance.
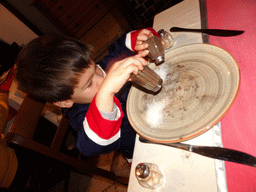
(61, 71)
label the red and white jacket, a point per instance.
(101, 133)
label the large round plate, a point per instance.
(200, 83)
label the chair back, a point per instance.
(23, 130)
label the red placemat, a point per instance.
(239, 124)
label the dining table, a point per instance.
(185, 171)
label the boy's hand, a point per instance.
(117, 76)
(140, 46)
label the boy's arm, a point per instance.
(100, 129)
(125, 46)
(112, 115)
(117, 76)
(96, 134)
(134, 40)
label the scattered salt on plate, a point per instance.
(154, 113)
(163, 71)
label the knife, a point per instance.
(215, 32)
(212, 152)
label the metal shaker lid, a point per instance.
(161, 32)
(142, 170)
(159, 59)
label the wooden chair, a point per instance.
(22, 134)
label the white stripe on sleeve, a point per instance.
(95, 138)
(128, 41)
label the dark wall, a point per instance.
(140, 13)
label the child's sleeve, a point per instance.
(97, 135)
(131, 37)
(100, 130)
(122, 48)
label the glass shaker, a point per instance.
(149, 175)
(156, 49)
(148, 79)
(166, 39)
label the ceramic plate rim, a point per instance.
(211, 123)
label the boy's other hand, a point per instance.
(118, 74)
(140, 46)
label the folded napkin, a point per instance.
(239, 124)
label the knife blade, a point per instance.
(212, 152)
(215, 32)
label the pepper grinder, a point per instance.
(149, 175)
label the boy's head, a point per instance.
(57, 69)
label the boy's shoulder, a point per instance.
(76, 114)
(76, 108)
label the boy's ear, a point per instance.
(64, 104)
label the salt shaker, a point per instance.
(148, 79)
(156, 49)
(149, 175)
(166, 39)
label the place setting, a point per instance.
(188, 90)
(183, 93)
(197, 124)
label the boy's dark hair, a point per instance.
(49, 67)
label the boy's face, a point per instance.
(89, 84)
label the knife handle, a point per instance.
(212, 152)
(215, 32)
(178, 29)
(226, 155)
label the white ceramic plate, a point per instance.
(200, 83)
